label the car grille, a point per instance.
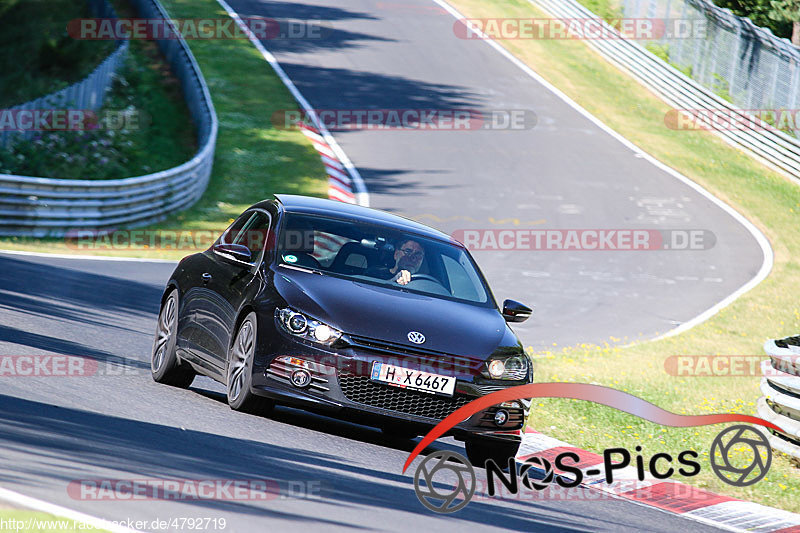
(414, 356)
(360, 389)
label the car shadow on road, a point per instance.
(65, 441)
(100, 297)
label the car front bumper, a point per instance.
(340, 385)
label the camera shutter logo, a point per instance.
(540, 464)
(416, 337)
(444, 502)
(728, 443)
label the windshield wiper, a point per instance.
(303, 269)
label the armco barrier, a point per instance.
(780, 403)
(88, 93)
(50, 207)
(772, 147)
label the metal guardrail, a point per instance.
(780, 403)
(51, 207)
(775, 148)
(88, 93)
(749, 63)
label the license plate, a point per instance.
(398, 376)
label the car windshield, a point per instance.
(377, 254)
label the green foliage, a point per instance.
(662, 52)
(150, 131)
(722, 87)
(777, 15)
(784, 10)
(37, 57)
(659, 50)
(5, 5)
(96, 154)
(608, 10)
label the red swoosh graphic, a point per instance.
(617, 399)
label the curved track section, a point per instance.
(566, 172)
(119, 424)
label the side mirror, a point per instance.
(514, 311)
(237, 252)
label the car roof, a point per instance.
(293, 203)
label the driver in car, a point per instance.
(408, 257)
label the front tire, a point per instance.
(164, 365)
(240, 371)
(480, 451)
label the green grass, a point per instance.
(606, 9)
(37, 57)
(253, 159)
(771, 309)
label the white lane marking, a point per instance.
(62, 512)
(361, 194)
(762, 241)
(89, 257)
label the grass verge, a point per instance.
(253, 159)
(769, 200)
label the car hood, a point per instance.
(387, 314)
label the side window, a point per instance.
(461, 285)
(235, 228)
(251, 231)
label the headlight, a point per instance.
(305, 327)
(497, 368)
(511, 368)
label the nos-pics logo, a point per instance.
(445, 481)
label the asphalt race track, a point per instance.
(564, 173)
(119, 424)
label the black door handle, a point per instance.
(206, 277)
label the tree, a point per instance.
(782, 17)
(787, 11)
(5, 5)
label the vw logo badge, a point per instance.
(416, 337)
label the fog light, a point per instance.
(496, 368)
(300, 378)
(501, 417)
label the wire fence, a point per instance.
(87, 94)
(744, 63)
(773, 147)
